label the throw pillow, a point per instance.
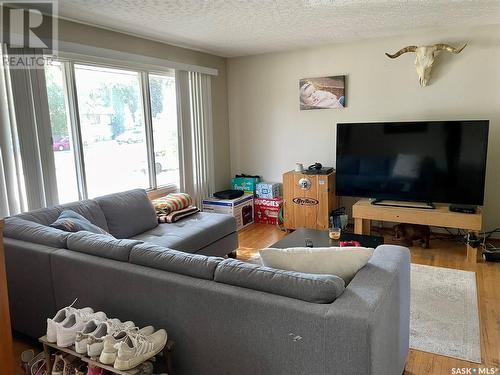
(172, 202)
(344, 262)
(70, 221)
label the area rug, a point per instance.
(444, 312)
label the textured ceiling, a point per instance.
(244, 27)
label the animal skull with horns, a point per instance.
(424, 59)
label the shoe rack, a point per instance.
(48, 348)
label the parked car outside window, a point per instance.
(61, 144)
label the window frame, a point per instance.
(68, 62)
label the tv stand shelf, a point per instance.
(363, 212)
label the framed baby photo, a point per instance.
(322, 93)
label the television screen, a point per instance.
(437, 161)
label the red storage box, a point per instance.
(267, 210)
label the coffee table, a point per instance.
(320, 238)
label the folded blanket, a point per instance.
(177, 215)
(172, 202)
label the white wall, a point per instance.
(269, 133)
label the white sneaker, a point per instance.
(66, 332)
(82, 336)
(108, 328)
(108, 354)
(60, 318)
(138, 348)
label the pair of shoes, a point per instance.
(66, 364)
(67, 321)
(81, 369)
(109, 352)
(138, 348)
(26, 357)
(61, 316)
(66, 331)
(58, 366)
(82, 336)
(96, 371)
(90, 340)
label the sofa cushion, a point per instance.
(192, 233)
(303, 286)
(71, 221)
(128, 213)
(101, 245)
(44, 216)
(344, 262)
(31, 231)
(161, 258)
(89, 209)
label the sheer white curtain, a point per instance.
(196, 130)
(27, 173)
(12, 198)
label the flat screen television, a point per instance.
(427, 161)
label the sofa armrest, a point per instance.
(29, 280)
(367, 328)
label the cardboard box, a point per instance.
(247, 184)
(241, 208)
(268, 190)
(267, 210)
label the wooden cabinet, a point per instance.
(308, 200)
(6, 352)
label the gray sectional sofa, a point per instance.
(226, 316)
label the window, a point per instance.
(165, 137)
(112, 128)
(62, 137)
(124, 126)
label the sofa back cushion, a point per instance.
(128, 213)
(162, 258)
(90, 210)
(30, 231)
(44, 216)
(101, 245)
(303, 286)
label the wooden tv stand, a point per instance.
(363, 212)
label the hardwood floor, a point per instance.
(22, 343)
(443, 253)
